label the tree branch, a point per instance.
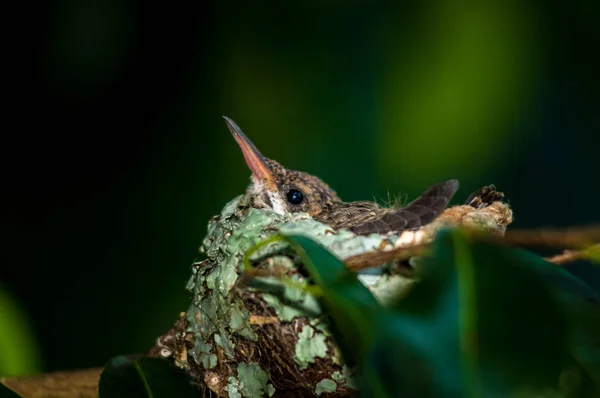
(72, 384)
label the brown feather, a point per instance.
(364, 218)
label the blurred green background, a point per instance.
(118, 156)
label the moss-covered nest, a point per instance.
(272, 340)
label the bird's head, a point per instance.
(277, 188)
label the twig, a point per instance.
(374, 259)
(569, 256)
(77, 383)
(569, 238)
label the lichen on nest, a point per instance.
(241, 341)
(230, 327)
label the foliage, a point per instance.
(144, 378)
(485, 320)
(17, 343)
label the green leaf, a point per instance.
(20, 353)
(581, 306)
(6, 392)
(144, 377)
(519, 317)
(485, 319)
(578, 303)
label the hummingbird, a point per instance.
(287, 191)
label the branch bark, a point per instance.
(72, 384)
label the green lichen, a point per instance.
(253, 381)
(293, 302)
(309, 346)
(342, 243)
(233, 387)
(239, 323)
(203, 352)
(337, 376)
(325, 385)
(345, 377)
(284, 312)
(222, 340)
(334, 354)
(213, 310)
(389, 288)
(321, 326)
(209, 361)
(191, 285)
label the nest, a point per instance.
(239, 340)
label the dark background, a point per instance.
(115, 154)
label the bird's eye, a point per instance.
(295, 197)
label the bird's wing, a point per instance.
(419, 212)
(346, 214)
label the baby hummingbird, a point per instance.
(289, 191)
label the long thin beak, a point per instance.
(254, 159)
